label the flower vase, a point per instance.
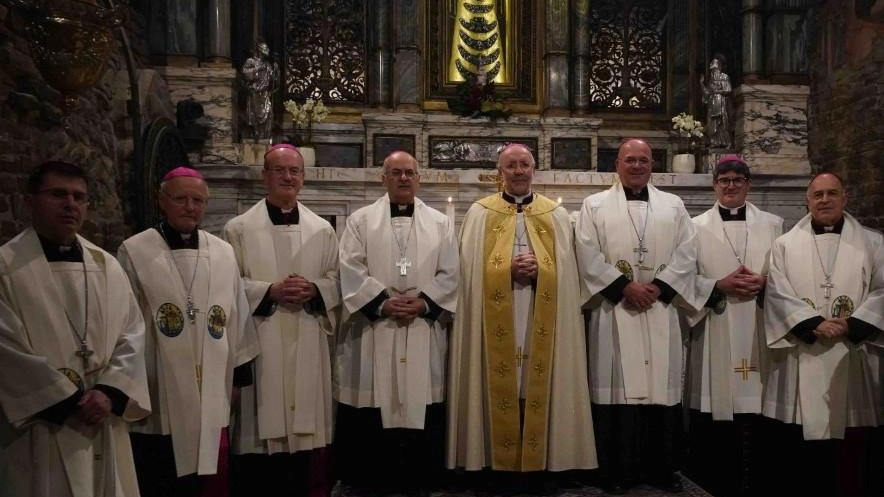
(309, 155)
(684, 163)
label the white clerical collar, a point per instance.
(520, 199)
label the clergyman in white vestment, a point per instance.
(636, 248)
(727, 347)
(824, 316)
(288, 257)
(518, 393)
(399, 266)
(198, 331)
(71, 352)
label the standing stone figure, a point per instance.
(715, 96)
(260, 77)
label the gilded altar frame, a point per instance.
(523, 93)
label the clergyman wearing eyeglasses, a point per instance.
(71, 351)
(637, 256)
(734, 239)
(199, 337)
(288, 256)
(399, 273)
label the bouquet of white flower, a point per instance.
(303, 117)
(687, 126)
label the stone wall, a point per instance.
(96, 134)
(846, 103)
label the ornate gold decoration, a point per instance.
(505, 404)
(498, 296)
(745, 369)
(809, 302)
(476, 45)
(497, 230)
(842, 307)
(625, 268)
(542, 332)
(532, 442)
(540, 230)
(497, 261)
(539, 369)
(546, 296)
(70, 42)
(547, 260)
(535, 405)
(500, 332)
(502, 369)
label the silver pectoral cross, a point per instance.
(641, 250)
(191, 310)
(828, 286)
(84, 353)
(403, 266)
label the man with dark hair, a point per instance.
(726, 350)
(823, 324)
(288, 257)
(191, 295)
(71, 351)
(636, 249)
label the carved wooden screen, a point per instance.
(325, 43)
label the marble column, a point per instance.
(753, 39)
(181, 32)
(771, 127)
(379, 56)
(407, 58)
(556, 58)
(581, 51)
(218, 32)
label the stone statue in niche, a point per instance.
(260, 78)
(716, 96)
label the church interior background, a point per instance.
(131, 89)
(578, 75)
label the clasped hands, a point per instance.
(640, 297)
(831, 328)
(742, 283)
(403, 308)
(93, 408)
(294, 289)
(524, 268)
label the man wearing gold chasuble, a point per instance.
(518, 397)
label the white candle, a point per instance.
(449, 210)
(560, 200)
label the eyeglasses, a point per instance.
(398, 173)
(292, 171)
(631, 161)
(181, 200)
(737, 182)
(60, 195)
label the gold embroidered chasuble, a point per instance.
(516, 444)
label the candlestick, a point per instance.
(449, 210)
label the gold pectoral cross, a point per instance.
(745, 369)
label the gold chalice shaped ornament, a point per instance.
(70, 42)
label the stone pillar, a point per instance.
(181, 33)
(556, 58)
(771, 127)
(581, 51)
(753, 39)
(218, 32)
(379, 57)
(407, 58)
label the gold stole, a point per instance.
(511, 449)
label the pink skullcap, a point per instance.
(287, 146)
(183, 172)
(731, 158)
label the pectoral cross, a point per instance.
(190, 310)
(520, 356)
(403, 266)
(84, 353)
(828, 286)
(745, 369)
(641, 250)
